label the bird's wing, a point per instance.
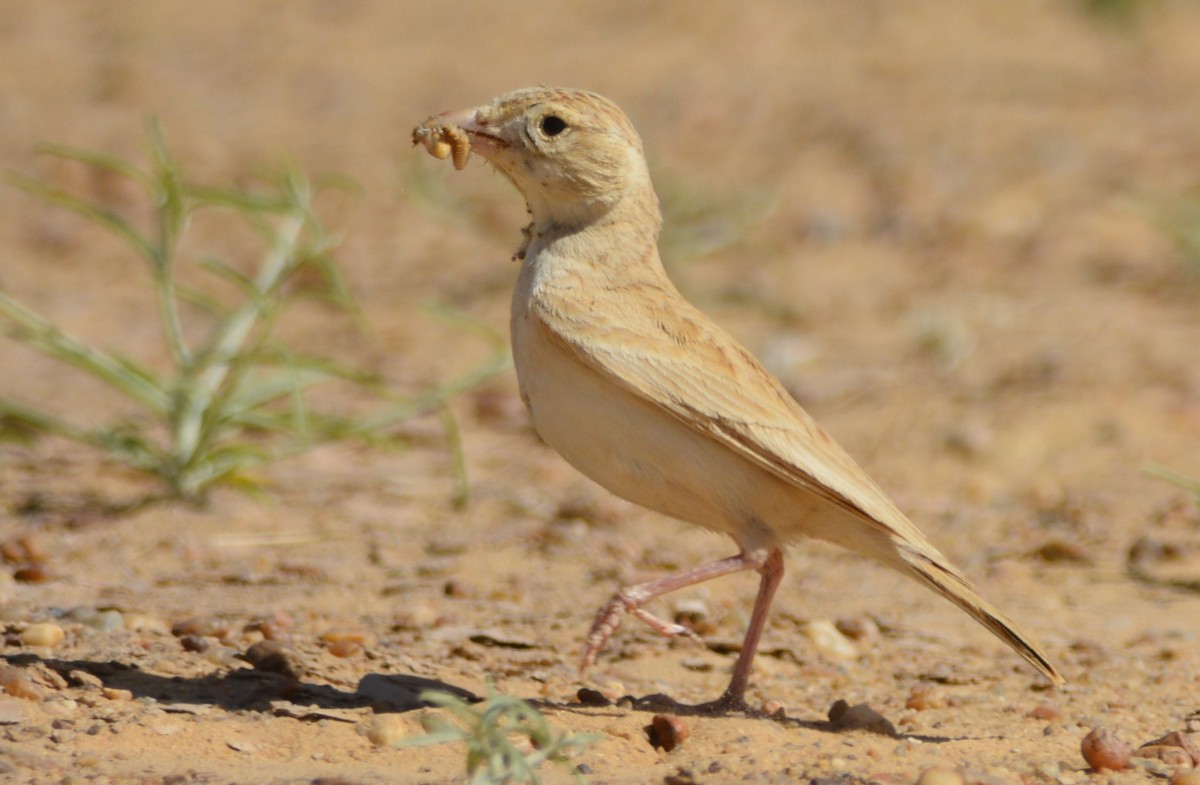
(691, 368)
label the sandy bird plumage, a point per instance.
(647, 396)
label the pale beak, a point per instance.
(484, 140)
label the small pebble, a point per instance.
(107, 620)
(940, 776)
(590, 697)
(345, 648)
(63, 708)
(1061, 550)
(858, 628)
(17, 683)
(194, 643)
(23, 550)
(458, 589)
(843, 716)
(968, 439)
(692, 612)
(690, 608)
(1176, 749)
(667, 731)
(416, 617)
(683, 777)
(1046, 710)
(145, 622)
(164, 725)
(45, 634)
(348, 635)
(241, 745)
(11, 713)
(81, 678)
(1171, 756)
(221, 655)
(34, 573)
(201, 626)
(115, 694)
(924, 697)
(273, 657)
(83, 614)
(1186, 777)
(387, 729)
(1104, 751)
(273, 630)
(829, 641)
(273, 627)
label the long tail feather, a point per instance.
(946, 581)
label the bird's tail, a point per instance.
(946, 581)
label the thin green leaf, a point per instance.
(429, 739)
(254, 395)
(465, 321)
(277, 355)
(37, 332)
(240, 201)
(218, 465)
(462, 486)
(41, 421)
(336, 181)
(229, 273)
(92, 211)
(1188, 484)
(99, 160)
(202, 300)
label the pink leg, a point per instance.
(630, 599)
(734, 697)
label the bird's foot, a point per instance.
(725, 705)
(666, 628)
(728, 703)
(608, 619)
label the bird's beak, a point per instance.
(484, 138)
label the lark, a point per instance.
(647, 396)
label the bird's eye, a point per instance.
(553, 125)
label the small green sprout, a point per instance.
(507, 739)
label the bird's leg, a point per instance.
(734, 697)
(630, 599)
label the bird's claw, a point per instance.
(608, 619)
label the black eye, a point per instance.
(553, 125)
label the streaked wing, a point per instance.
(685, 364)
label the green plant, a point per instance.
(699, 219)
(1179, 219)
(497, 732)
(1188, 484)
(1118, 13)
(235, 398)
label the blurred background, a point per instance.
(902, 204)
(965, 235)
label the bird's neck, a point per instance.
(629, 228)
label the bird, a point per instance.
(643, 393)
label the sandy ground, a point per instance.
(947, 227)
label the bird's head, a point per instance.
(572, 154)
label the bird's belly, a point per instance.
(644, 454)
